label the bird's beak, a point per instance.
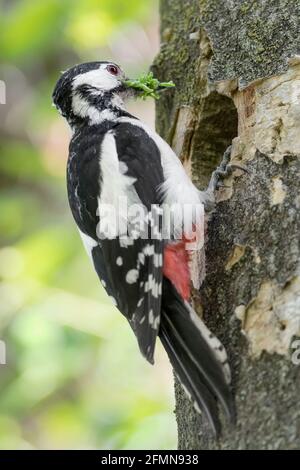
(130, 90)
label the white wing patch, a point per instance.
(117, 192)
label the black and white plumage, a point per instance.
(113, 155)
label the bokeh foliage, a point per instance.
(74, 377)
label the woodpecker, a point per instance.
(115, 156)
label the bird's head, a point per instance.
(88, 91)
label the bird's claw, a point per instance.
(226, 158)
(223, 170)
(237, 166)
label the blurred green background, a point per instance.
(74, 377)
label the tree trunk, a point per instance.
(237, 78)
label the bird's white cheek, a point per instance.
(84, 109)
(101, 79)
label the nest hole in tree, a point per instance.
(216, 127)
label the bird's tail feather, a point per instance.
(198, 358)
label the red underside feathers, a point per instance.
(176, 267)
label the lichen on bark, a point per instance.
(250, 296)
(250, 38)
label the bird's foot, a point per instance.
(222, 171)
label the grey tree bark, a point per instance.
(237, 76)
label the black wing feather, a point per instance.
(142, 158)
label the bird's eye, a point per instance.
(113, 69)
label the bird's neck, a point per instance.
(93, 108)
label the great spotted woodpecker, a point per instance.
(113, 157)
